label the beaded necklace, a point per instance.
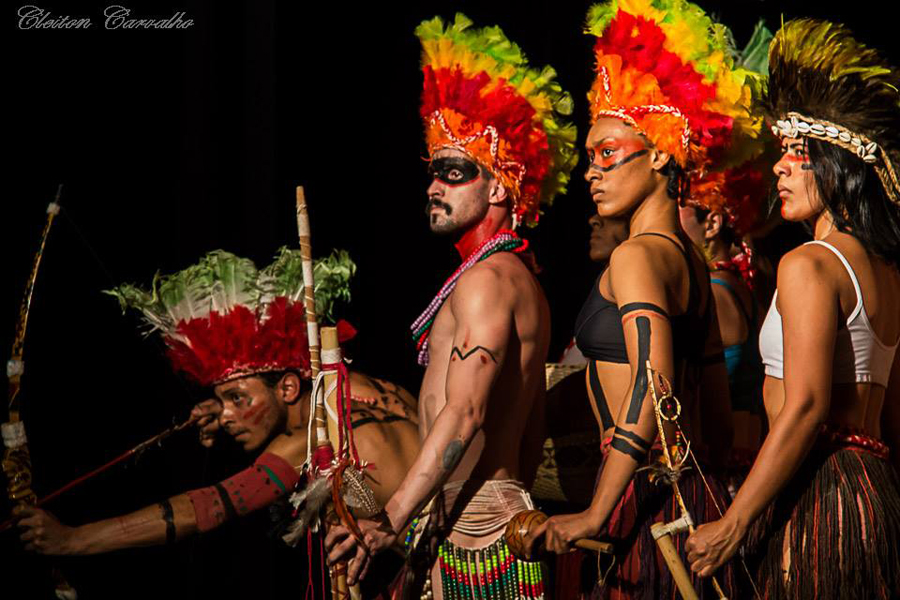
(504, 240)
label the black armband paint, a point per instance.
(633, 437)
(713, 359)
(626, 448)
(227, 504)
(648, 306)
(457, 352)
(168, 516)
(640, 381)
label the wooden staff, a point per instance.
(309, 297)
(338, 575)
(331, 352)
(662, 535)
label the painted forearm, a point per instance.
(441, 452)
(630, 444)
(149, 526)
(790, 439)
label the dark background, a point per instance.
(173, 143)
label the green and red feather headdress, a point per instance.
(223, 319)
(481, 97)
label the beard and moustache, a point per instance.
(448, 224)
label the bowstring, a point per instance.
(111, 281)
(689, 452)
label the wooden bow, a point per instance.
(16, 462)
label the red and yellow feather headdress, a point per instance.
(481, 97)
(739, 191)
(665, 68)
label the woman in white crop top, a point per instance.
(819, 513)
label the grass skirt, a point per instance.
(840, 519)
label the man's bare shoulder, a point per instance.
(487, 281)
(290, 445)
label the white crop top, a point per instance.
(859, 356)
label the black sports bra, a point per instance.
(599, 334)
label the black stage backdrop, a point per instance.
(171, 143)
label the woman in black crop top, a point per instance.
(652, 303)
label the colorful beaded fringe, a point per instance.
(490, 573)
(504, 240)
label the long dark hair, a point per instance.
(852, 192)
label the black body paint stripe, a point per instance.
(606, 418)
(457, 352)
(640, 381)
(367, 420)
(625, 160)
(230, 511)
(626, 448)
(633, 306)
(168, 516)
(633, 437)
(713, 359)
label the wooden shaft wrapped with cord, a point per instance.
(324, 451)
(312, 321)
(309, 298)
(331, 358)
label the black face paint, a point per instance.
(618, 164)
(453, 170)
(640, 382)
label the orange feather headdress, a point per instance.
(481, 97)
(665, 68)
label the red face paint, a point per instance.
(473, 238)
(253, 411)
(612, 153)
(262, 414)
(792, 158)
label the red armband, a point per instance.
(268, 479)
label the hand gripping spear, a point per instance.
(327, 421)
